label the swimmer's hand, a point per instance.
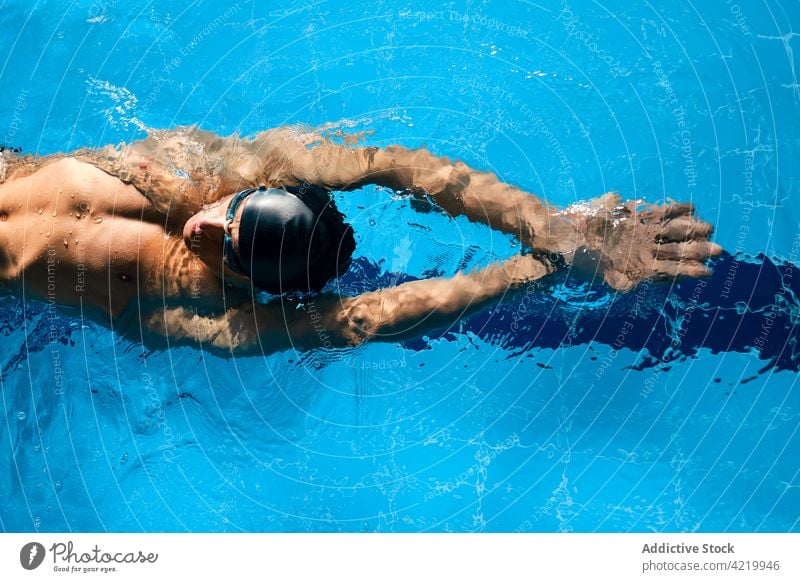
(632, 241)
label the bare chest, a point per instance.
(73, 235)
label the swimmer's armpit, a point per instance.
(329, 321)
(181, 169)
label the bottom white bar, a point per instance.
(389, 557)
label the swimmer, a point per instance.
(170, 239)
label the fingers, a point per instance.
(663, 213)
(681, 229)
(676, 210)
(672, 269)
(687, 251)
(639, 207)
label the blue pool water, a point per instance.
(549, 424)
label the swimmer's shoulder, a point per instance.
(73, 169)
(75, 175)
(60, 170)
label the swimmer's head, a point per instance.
(291, 239)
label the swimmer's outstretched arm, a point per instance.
(455, 187)
(622, 242)
(392, 314)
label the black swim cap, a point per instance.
(281, 240)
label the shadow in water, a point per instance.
(748, 305)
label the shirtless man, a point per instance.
(170, 238)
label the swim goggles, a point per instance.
(229, 255)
